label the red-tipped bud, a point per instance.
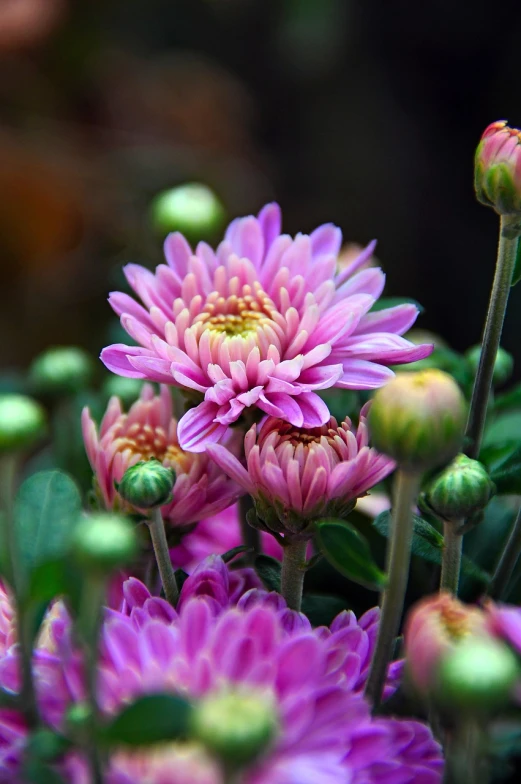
(497, 172)
(434, 628)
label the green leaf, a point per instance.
(54, 577)
(506, 471)
(35, 772)
(509, 399)
(347, 550)
(427, 543)
(151, 719)
(504, 429)
(9, 700)
(392, 302)
(268, 570)
(229, 555)
(47, 508)
(321, 609)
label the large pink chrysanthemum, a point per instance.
(296, 475)
(211, 645)
(266, 320)
(150, 431)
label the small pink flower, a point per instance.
(497, 173)
(150, 431)
(266, 320)
(433, 628)
(296, 475)
(215, 536)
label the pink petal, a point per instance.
(177, 253)
(270, 221)
(117, 359)
(398, 320)
(326, 239)
(361, 374)
(314, 410)
(355, 265)
(198, 427)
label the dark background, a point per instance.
(363, 112)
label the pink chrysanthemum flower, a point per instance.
(150, 431)
(217, 535)
(296, 475)
(266, 320)
(325, 731)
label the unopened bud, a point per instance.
(418, 419)
(103, 543)
(235, 726)
(62, 370)
(497, 169)
(503, 366)
(192, 209)
(22, 422)
(147, 484)
(479, 675)
(463, 488)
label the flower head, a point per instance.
(296, 475)
(265, 320)
(498, 168)
(217, 535)
(150, 431)
(434, 628)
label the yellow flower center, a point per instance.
(147, 442)
(238, 315)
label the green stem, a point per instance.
(293, 572)
(451, 563)
(506, 257)
(164, 564)
(507, 561)
(90, 619)
(464, 757)
(406, 487)
(8, 471)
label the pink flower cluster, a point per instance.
(221, 638)
(264, 321)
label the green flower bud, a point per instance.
(235, 726)
(127, 389)
(22, 422)
(147, 484)
(62, 370)
(462, 489)
(503, 365)
(192, 209)
(103, 543)
(478, 675)
(418, 419)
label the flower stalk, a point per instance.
(293, 572)
(164, 564)
(406, 486)
(506, 257)
(451, 562)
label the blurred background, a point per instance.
(361, 112)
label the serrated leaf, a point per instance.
(428, 542)
(154, 718)
(268, 569)
(348, 551)
(321, 609)
(47, 509)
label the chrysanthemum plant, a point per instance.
(189, 571)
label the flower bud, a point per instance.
(22, 422)
(418, 419)
(235, 726)
(62, 370)
(434, 627)
(503, 365)
(478, 675)
(147, 484)
(463, 488)
(192, 209)
(127, 389)
(103, 543)
(497, 169)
